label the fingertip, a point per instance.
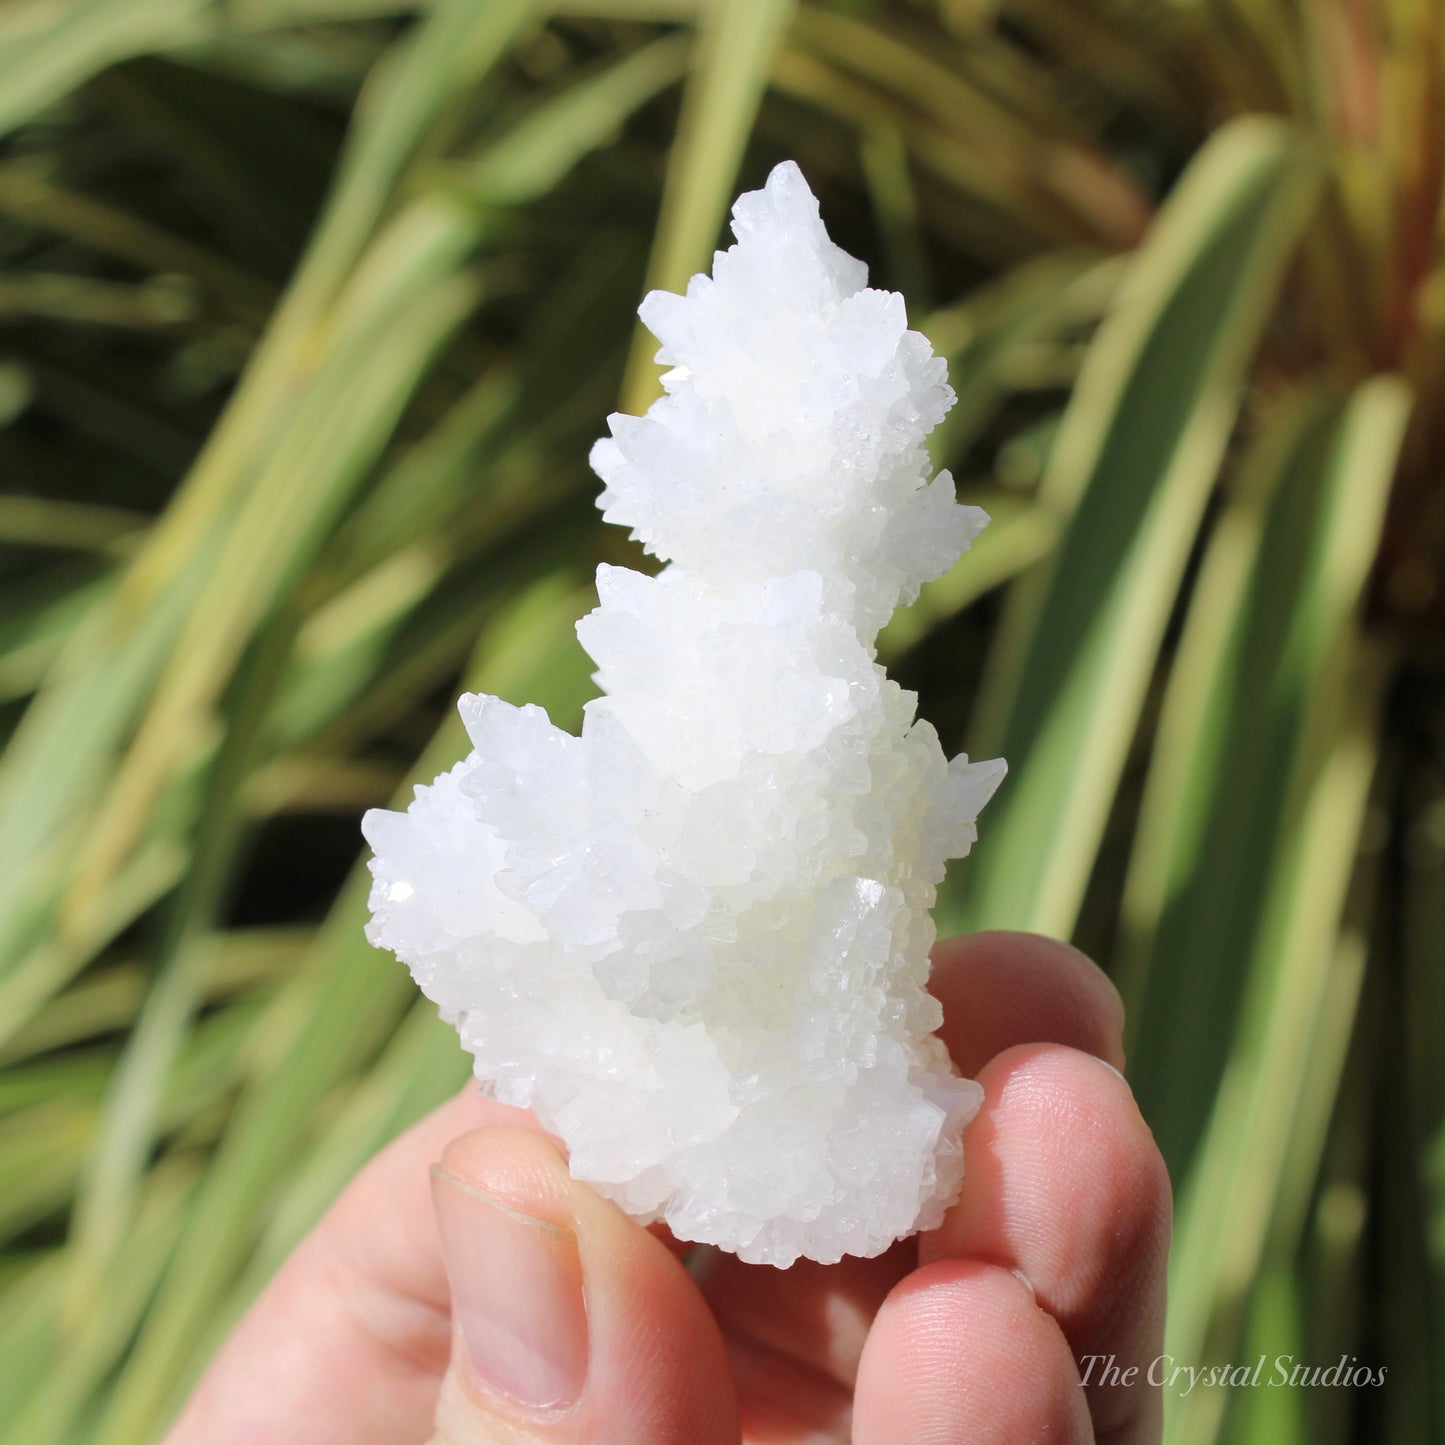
(1066, 1184)
(960, 1352)
(1060, 1153)
(521, 1167)
(1000, 989)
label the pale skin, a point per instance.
(972, 1332)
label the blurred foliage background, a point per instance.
(309, 312)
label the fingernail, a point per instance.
(517, 1291)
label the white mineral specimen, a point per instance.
(694, 940)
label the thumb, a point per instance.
(570, 1322)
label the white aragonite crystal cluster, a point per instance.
(694, 940)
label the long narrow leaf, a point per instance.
(1294, 733)
(1132, 467)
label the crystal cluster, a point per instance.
(694, 940)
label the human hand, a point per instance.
(566, 1322)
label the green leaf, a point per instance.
(1245, 856)
(547, 142)
(65, 744)
(40, 63)
(1242, 688)
(44, 1415)
(1131, 470)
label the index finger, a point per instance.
(1057, 1247)
(1066, 1187)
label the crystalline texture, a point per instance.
(694, 940)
